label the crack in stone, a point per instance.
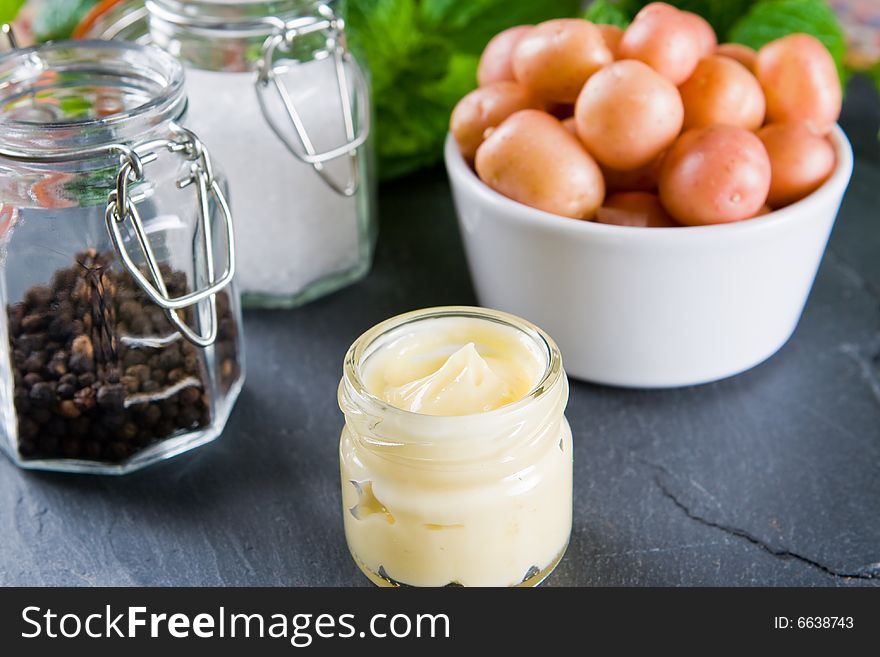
(871, 572)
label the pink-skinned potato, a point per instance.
(715, 175)
(706, 35)
(627, 113)
(556, 57)
(800, 161)
(721, 91)
(495, 64)
(665, 39)
(638, 209)
(800, 82)
(533, 159)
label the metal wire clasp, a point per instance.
(122, 207)
(282, 39)
(9, 33)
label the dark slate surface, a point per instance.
(772, 477)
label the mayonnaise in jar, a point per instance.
(456, 457)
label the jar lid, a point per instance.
(128, 19)
(219, 19)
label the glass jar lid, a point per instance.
(231, 18)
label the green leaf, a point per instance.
(9, 10)
(722, 15)
(771, 19)
(605, 12)
(402, 60)
(386, 35)
(58, 18)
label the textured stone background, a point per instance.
(772, 477)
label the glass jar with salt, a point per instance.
(284, 106)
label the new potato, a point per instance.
(665, 39)
(703, 31)
(533, 159)
(627, 113)
(495, 65)
(800, 82)
(715, 175)
(640, 209)
(722, 91)
(799, 161)
(556, 57)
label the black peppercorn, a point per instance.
(65, 390)
(35, 362)
(42, 393)
(111, 395)
(81, 363)
(83, 391)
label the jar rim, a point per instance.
(109, 58)
(546, 382)
(240, 17)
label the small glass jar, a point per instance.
(120, 339)
(471, 500)
(285, 108)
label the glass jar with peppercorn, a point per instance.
(120, 339)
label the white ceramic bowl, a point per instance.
(648, 307)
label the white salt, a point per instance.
(292, 229)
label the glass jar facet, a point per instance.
(472, 500)
(96, 378)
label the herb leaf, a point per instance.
(605, 12)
